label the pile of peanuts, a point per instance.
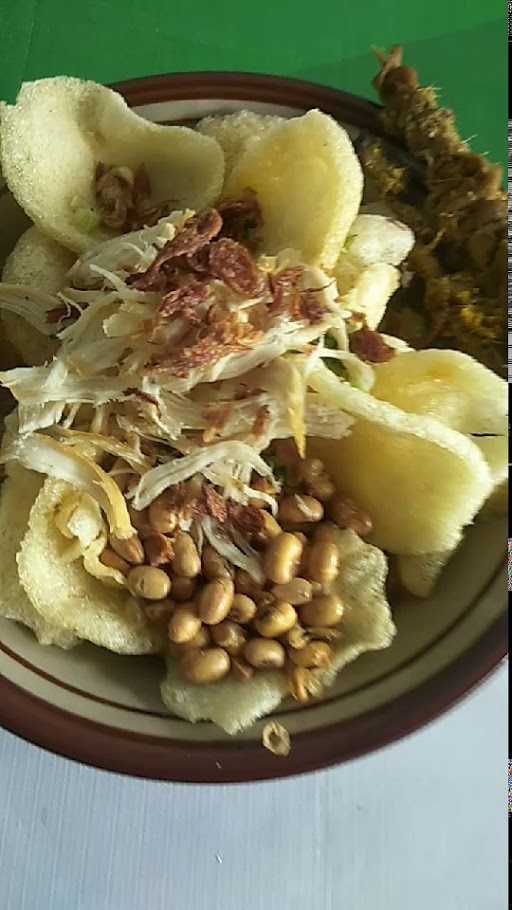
(218, 619)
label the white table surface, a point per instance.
(417, 826)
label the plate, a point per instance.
(105, 710)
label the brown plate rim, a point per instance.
(100, 746)
(139, 755)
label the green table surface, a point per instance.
(457, 45)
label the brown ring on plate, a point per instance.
(153, 757)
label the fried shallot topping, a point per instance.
(242, 219)
(233, 264)
(183, 301)
(207, 345)
(370, 346)
(217, 415)
(247, 519)
(189, 272)
(215, 504)
(124, 199)
(288, 296)
(195, 234)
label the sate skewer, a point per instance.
(455, 279)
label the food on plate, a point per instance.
(215, 450)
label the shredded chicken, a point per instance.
(183, 357)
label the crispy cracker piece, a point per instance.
(308, 181)
(448, 385)
(231, 704)
(17, 494)
(39, 262)
(60, 129)
(366, 290)
(495, 450)
(234, 132)
(64, 593)
(367, 626)
(420, 481)
(420, 574)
